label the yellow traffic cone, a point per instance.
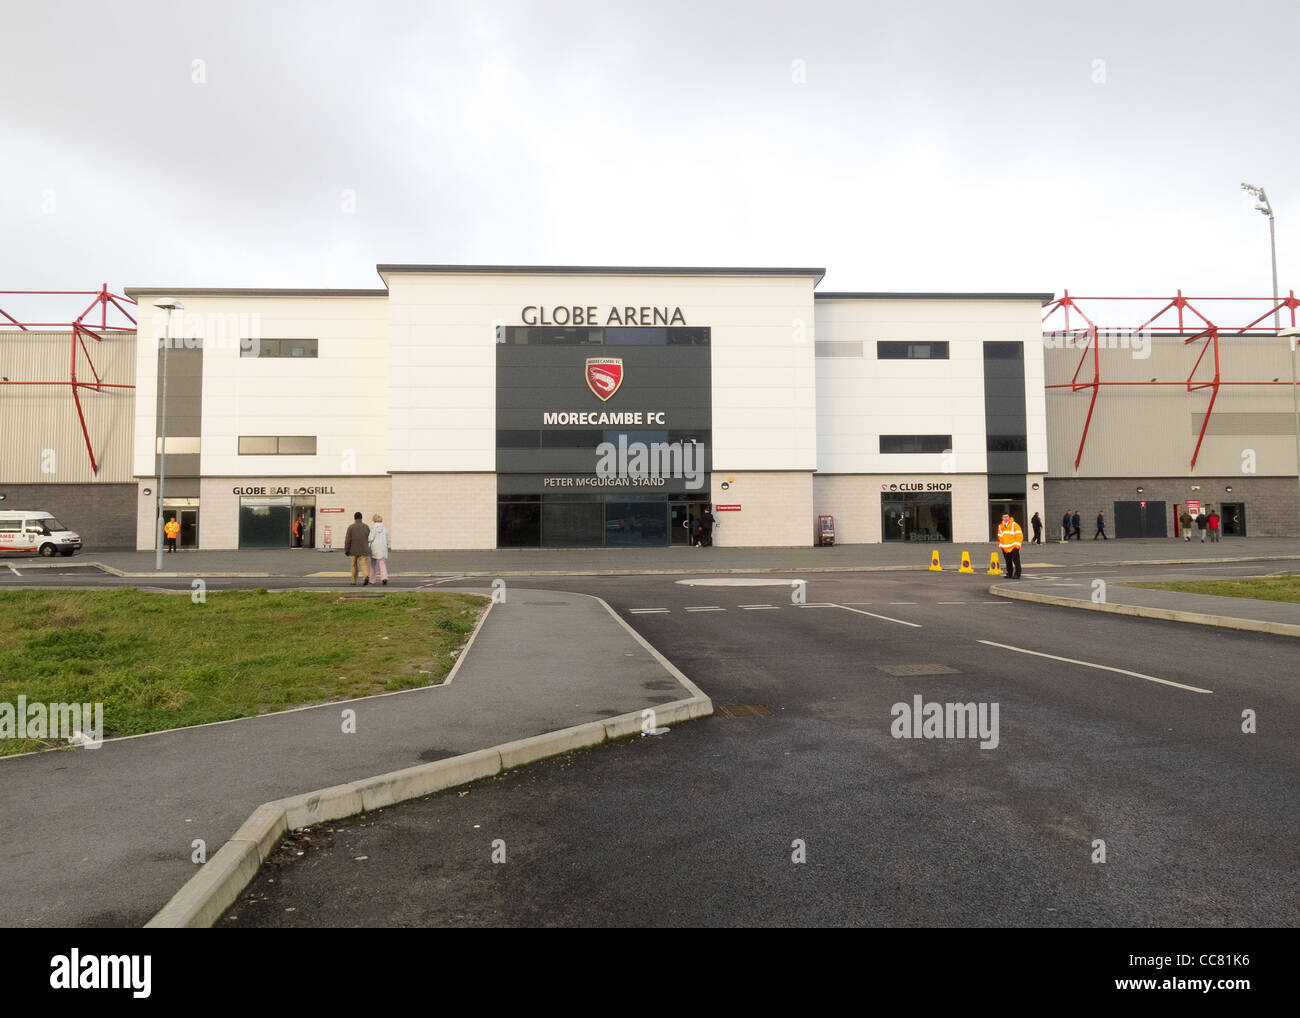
(993, 564)
(934, 562)
(965, 563)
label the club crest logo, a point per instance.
(604, 375)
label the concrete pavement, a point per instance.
(579, 561)
(105, 837)
(1110, 593)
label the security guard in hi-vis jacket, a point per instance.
(1010, 537)
(173, 530)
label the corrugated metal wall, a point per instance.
(1151, 430)
(40, 435)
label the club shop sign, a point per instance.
(594, 314)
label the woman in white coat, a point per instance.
(378, 549)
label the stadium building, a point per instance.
(544, 407)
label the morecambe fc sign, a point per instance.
(604, 375)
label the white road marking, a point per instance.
(760, 607)
(992, 602)
(822, 604)
(12, 569)
(445, 579)
(949, 602)
(647, 611)
(852, 602)
(886, 618)
(902, 602)
(710, 608)
(1104, 668)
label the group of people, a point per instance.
(701, 529)
(367, 549)
(1072, 524)
(1207, 521)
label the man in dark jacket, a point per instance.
(356, 546)
(1065, 527)
(707, 520)
(1101, 526)
(1037, 524)
(1076, 521)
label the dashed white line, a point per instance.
(648, 611)
(902, 602)
(760, 607)
(886, 618)
(949, 602)
(1104, 668)
(708, 608)
(821, 604)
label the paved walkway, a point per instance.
(103, 837)
(515, 562)
(1279, 617)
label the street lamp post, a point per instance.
(1267, 209)
(168, 304)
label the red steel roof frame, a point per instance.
(1205, 330)
(80, 330)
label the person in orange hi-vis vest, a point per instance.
(173, 530)
(1010, 538)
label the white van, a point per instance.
(35, 530)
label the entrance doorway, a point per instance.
(304, 518)
(1013, 504)
(1232, 519)
(187, 511)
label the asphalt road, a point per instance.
(703, 825)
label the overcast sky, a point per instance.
(903, 146)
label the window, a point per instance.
(889, 350)
(838, 348)
(915, 443)
(1007, 443)
(1003, 351)
(279, 347)
(277, 445)
(178, 446)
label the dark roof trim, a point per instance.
(1042, 298)
(598, 270)
(182, 291)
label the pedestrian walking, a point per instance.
(1065, 527)
(1101, 526)
(1010, 538)
(297, 532)
(1202, 524)
(1213, 526)
(1186, 521)
(172, 529)
(1076, 522)
(356, 546)
(707, 522)
(1037, 523)
(379, 550)
(697, 532)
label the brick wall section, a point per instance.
(103, 514)
(776, 509)
(445, 510)
(1270, 501)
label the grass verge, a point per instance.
(160, 661)
(1262, 588)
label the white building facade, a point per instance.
(516, 406)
